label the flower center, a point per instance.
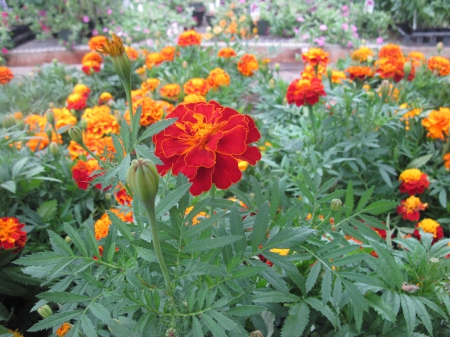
(7, 229)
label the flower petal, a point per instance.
(199, 156)
(252, 155)
(233, 141)
(226, 171)
(202, 181)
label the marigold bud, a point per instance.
(68, 78)
(434, 260)
(108, 196)
(370, 95)
(271, 83)
(8, 121)
(336, 204)
(83, 123)
(143, 179)
(370, 59)
(68, 239)
(385, 88)
(76, 135)
(45, 311)
(50, 115)
(184, 64)
(55, 61)
(54, 149)
(256, 333)
(276, 66)
(439, 47)
(330, 73)
(49, 133)
(407, 69)
(117, 116)
(363, 42)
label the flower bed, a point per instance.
(189, 191)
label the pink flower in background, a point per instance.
(105, 30)
(350, 44)
(5, 14)
(345, 26)
(94, 32)
(296, 30)
(305, 36)
(85, 19)
(146, 30)
(149, 42)
(323, 27)
(345, 8)
(179, 9)
(4, 50)
(42, 13)
(380, 40)
(109, 11)
(320, 41)
(242, 1)
(300, 19)
(354, 28)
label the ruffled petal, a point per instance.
(226, 171)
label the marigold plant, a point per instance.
(391, 51)
(362, 54)
(151, 111)
(409, 209)
(305, 91)
(189, 38)
(437, 123)
(218, 78)
(132, 53)
(150, 84)
(315, 56)
(76, 101)
(226, 52)
(359, 72)
(11, 234)
(105, 97)
(248, 65)
(429, 226)
(170, 90)
(193, 98)
(101, 226)
(96, 42)
(82, 173)
(82, 89)
(198, 86)
(440, 65)
(153, 59)
(168, 53)
(413, 181)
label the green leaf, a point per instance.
(201, 245)
(274, 296)
(119, 148)
(337, 291)
(443, 198)
(224, 321)
(10, 186)
(18, 166)
(245, 310)
(386, 262)
(312, 277)
(433, 306)
(385, 176)
(409, 312)
(121, 226)
(41, 259)
(196, 328)
(59, 244)
(47, 210)
(419, 161)
(76, 239)
(381, 307)
(324, 309)
(144, 151)
(55, 320)
(380, 206)
(63, 297)
(136, 124)
(216, 330)
(259, 198)
(204, 224)
(423, 314)
(297, 320)
(274, 200)
(171, 199)
(156, 128)
(355, 295)
(247, 272)
(289, 215)
(88, 327)
(289, 237)
(260, 226)
(326, 286)
(364, 199)
(100, 312)
(349, 199)
(123, 168)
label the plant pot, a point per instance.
(198, 12)
(209, 19)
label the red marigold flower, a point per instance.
(6, 75)
(11, 234)
(315, 56)
(390, 51)
(122, 197)
(380, 232)
(81, 89)
(93, 57)
(248, 64)
(409, 209)
(305, 91)
(226, 52)
(189, 38)
(82, 173)
(413, 181)
(429, 226)
(197, 86)
(205, 145)
(76, 101)
(89, 66)
(168, 53)
(439, 64)
(359, 72)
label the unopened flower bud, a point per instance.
(83, 123)
(439, 47)
(329, 73)
(55, 61)
(54, 149)
(76, 135)
(370, 59)
(385, 88)
(68, 239)
(45, 311)
(117, 116)
(108, 196)
(256, 333)
(50, 116)
(276, 66)
(128, 40)
(407, 69)
(143, 179)
(363, 42)
(68, 78)
(49, 133)
(336, 204)
(184, 64)
(370, 95)
(157, 34)
(171, 332)
(8, 121)
(434, 260)
(272, 83)
(21, 124)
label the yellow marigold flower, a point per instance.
(282, 252)
(81, 89)
(217, 78)
(193, 98)
(168, 53)
(137, 94)
(417, 58)
(152, 111)
(338, 76)
(102, 147)
(361, 54)
(63, 329)
(113, 47)
(413, 181)
(168, 108)
(315, 56)
(105, 97)
(154, 59)
(40, 140)
(35, 122)
(100, 121)
(440, 65)
(18, 115)
(242, 164)
(431, 226)
(16, 333)
(437, 123)
(64, 118)
(150, 84)
(101, 226)
(132, 53)
(196, 219)
(197, 86)
(170, 90)
(141, 70)
(309, 72)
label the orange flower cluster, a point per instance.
(189, 38)
(390, 51)
(168, 108)
(310, 72)
(362, 54)
(102, 147)
(150, 84)
(101, 226)
(154, 59)
(100, 121)
(218, 78)
(359, 72)
(63, 118)
(248, 64)
(413, 181)
(409, 209)
(440, 65)
(198, 86)
(77, 100)
(437, 123)
(105, 97)
(97, 42)
(417, 58)
(151, 113)
(429, 226)
(63, 329)
(82, 173)
(168, 53)
(36, 122)
(91, 62)
(170, 91)
(391, 63)
(315, 56)
(132, 53)
(226, 52)
(6, 75)
(11, 234)
(305, 91)
(193, 98)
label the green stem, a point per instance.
(313, 121)
(212, 192)
(151, 215)
(130, 102)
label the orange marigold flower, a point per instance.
(168, 108)
(96, 42)
(338, 76)
(429, 226)
(35, 122)
(437, 123)
(141, 70)
(170, 90)
(413, 181)
(105, 97)
(388, 68)
(153, 59)
(76, 101)
(122, 196)
(150, 84)
(315, 56)
(63, 118)
(309, 72)
(101, 226)
(194, 98)
(189, 38)
(92, 56)
(205, 145)
(217, 78)
(90, 66)
(417, 58)
(168, 53)
(390, 51)
(196, 219)
(447, 161)
(393, 92)
(305, 91)
(102, 147)
(362, 54)
(151, 112)
(359, 72)
(81, 89)
(137, 94)
(248, 64)
(409, 209)
(132, 53)
(40, 140)
(226, 52)
(82, 173)
(440, 65)
(355, 240)
(197, 86)
(63, 329)
(6, 75)
(100, 121)
(11, 234)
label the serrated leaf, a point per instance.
(216, 330)
(326, 286)
(47, 210)
(206, 223)
(260, 226)
(274, 296)
(55, 320)
(224, 321)
(379, 207)
(171, 199)
(297, 320)
(63, 297)
(88, 327)
(409, 312)
(201, 245)
(312, 277)
(156, 128)
(386, 262)
(10, 186)
(136, 123)
(247, 272)
(245, 310)
(120, 225)
(419, 161)
(59, 244)
(381, 307)
(349, 199)
(423, 314)
(100, 312)
(18, 166)
(196, 328)
(443, 198)
(364, 199)
(324, 309)
(289, 237)
(76, 239)
(355, 295)
(385, 176)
